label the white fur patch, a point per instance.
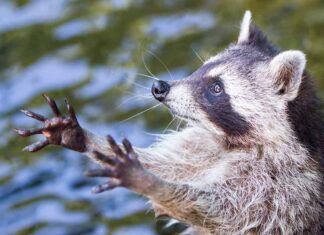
(245, 27)
(214, 72)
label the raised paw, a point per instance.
(123, 169)
(60, 130)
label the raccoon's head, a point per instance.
(241, 92)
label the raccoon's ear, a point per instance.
(252, 35)
(287, 70)
(245, 28)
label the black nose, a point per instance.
(160, 89)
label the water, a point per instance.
(93, 51)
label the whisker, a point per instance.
(141, 112)
(179, 125)
(148, 70)
(198, 56)
(147, 76)
(139, 85)
(174, 118)
(146, 95)
(136, 97)
(164, 65)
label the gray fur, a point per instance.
(246, 171)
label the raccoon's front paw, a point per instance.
(59, 130)
(123, 169)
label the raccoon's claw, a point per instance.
(33, 115)
(51, 102)
(101, 173)
(59, 130)
(124, 169)
(71, 110)
(26, 133)
(113, 183)
(36, 146)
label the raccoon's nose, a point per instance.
(160, 89)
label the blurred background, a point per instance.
(101, 54)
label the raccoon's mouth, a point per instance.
(178, 114)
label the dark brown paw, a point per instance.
(123, 169)
(60, 130)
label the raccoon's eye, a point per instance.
(217, 88)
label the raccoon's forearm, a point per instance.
(95, 142)
(181, 201)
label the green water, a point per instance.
(94, 52)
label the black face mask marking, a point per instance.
(217, 105)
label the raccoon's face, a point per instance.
(244, 89)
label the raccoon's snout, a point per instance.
(160, 89)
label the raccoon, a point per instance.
(249, 161)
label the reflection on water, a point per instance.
(95, 52)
